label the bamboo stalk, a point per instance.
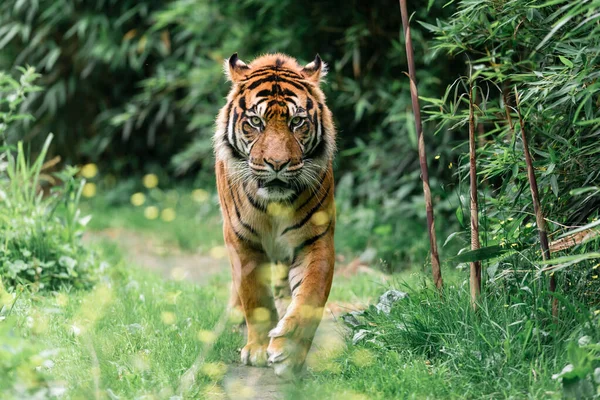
(537, 208)
(414, 94)
(475, 266)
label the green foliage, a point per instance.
(131, 85)
(509, 346)
(547, 55)
(12, 94)
(41, 232)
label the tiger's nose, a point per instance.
(276, 165)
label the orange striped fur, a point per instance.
(274, 145)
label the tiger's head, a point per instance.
(275, 130)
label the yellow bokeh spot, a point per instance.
(218, 252)
(178, 273)
(168, 215)
(437, 157)
(279, 272)
(150, 181)
(172, 297)
(279, 210)
(236, 316)
(261, 314)
(137, 199)
(151, 212)
(237, 390)
(62, 299)
(320, 218)
(450, 166)
(309, 312)
(89, 190)
(200, 195)
(206, 336)
(168, 317)
(215, 371)
(89, 171)
(362, 358)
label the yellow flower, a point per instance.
(89, 171)
(151, 212)
(150, 181)
(200, 195)
(168, 215)
(137, 199)
(89, 190)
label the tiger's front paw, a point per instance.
(287, 356)
(290, 342)
(255, 354)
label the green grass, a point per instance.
(136, 334)
(132, 335)
(196, 227)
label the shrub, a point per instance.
(40, 229)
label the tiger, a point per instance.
(274, 146)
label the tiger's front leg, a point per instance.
(310, 276)
(251, 280)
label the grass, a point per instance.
(136, 334)
(132, 335)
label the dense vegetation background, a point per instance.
(130, 90)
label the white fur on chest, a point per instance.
(277, 246)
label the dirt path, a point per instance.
(240, 382)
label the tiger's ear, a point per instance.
(236, 69)
(315, 71)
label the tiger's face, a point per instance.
(277, 130)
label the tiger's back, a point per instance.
(274, 146)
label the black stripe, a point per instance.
(288, 73)
(310, 241)
(237, 212)
(253, 202)
(309, 104)
(271, 69)
(241, 237)
(227, 122)
(297, 285)
(264, 93)
(276, 78)
(311, 143)
(321, 179)
(309, 215)
(288, 92)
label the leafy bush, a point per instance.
(40, 230)
(548, 55)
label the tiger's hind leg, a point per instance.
(281, 288)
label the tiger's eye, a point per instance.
(296, 121)
(256, 121)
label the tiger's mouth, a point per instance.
(275, 184)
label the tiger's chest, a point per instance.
(278, 247)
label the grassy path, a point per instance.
(151, 253)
